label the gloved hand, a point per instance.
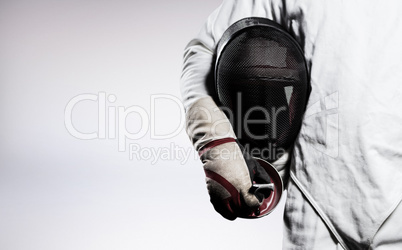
(229, 171)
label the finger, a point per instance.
(250, 200)
(224, 208)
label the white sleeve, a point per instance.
(197, 77)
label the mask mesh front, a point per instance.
(262, 84)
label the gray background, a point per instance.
(62, 192)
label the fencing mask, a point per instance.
(262, 84)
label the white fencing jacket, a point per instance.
(348, 156)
